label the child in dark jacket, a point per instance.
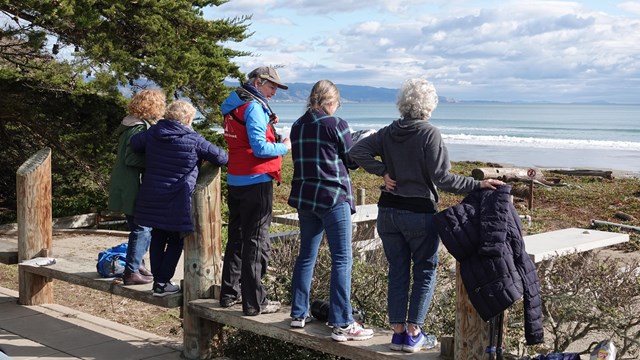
(173, 153)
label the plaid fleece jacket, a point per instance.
(319, 147)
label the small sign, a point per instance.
(531, 173)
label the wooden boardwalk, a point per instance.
(315, 335)
(75, 253)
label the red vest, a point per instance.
(242, 161)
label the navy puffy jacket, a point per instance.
(484, 234)
(173, 153)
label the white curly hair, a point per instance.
(417, 99)
(181, 111)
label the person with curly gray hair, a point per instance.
(173, 152)
(145, 109)
(413, 163)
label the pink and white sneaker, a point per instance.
(354, 331)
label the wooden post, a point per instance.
(471, 332)
(33, 192)
(530, 198)
(202, 263)
(360, 197)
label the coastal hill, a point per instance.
(299, 92)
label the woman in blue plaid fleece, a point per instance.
(321, 192)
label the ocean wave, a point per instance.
(547, 143)
(518, 141)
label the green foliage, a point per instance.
(368, 284)
(80, 138)
(584, 294)
(72, 103)
(167, 42)
(244, 345)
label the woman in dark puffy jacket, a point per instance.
(173, 153)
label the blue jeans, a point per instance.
(336, 222)
(138, 245)
(409, 236)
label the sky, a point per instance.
(560, 51)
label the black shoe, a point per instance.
(164, 289)
(135, 278)
(225, 303)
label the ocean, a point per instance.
(545, 136)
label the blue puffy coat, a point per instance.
(173, 153)
(484, 234)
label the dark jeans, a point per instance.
(248, 248)
(138, 245)
(164, 253)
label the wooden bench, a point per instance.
(315, 335)
(571, 240)
(79, 266)
(79, 272)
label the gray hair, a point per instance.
(181, 111)
(323, 93)
(417, 99)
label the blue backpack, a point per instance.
(111, 262)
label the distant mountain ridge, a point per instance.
(299, 92)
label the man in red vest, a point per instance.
(255, 159)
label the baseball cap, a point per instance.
(268, 73)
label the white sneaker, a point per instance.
(354, 331)
(300, 322)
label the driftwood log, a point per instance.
(601, 173)
(507, 173)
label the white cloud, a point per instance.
(505, 49)
(630, 6)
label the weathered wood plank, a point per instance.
(544, 245)
(315, 335)
(8, 252)
(505, 173)
(33, 194)
(585, 172)
(76, 221)
(84, 274)
(363, 221)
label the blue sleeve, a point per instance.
(138, 142)
(210, 152)
(257, 120)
